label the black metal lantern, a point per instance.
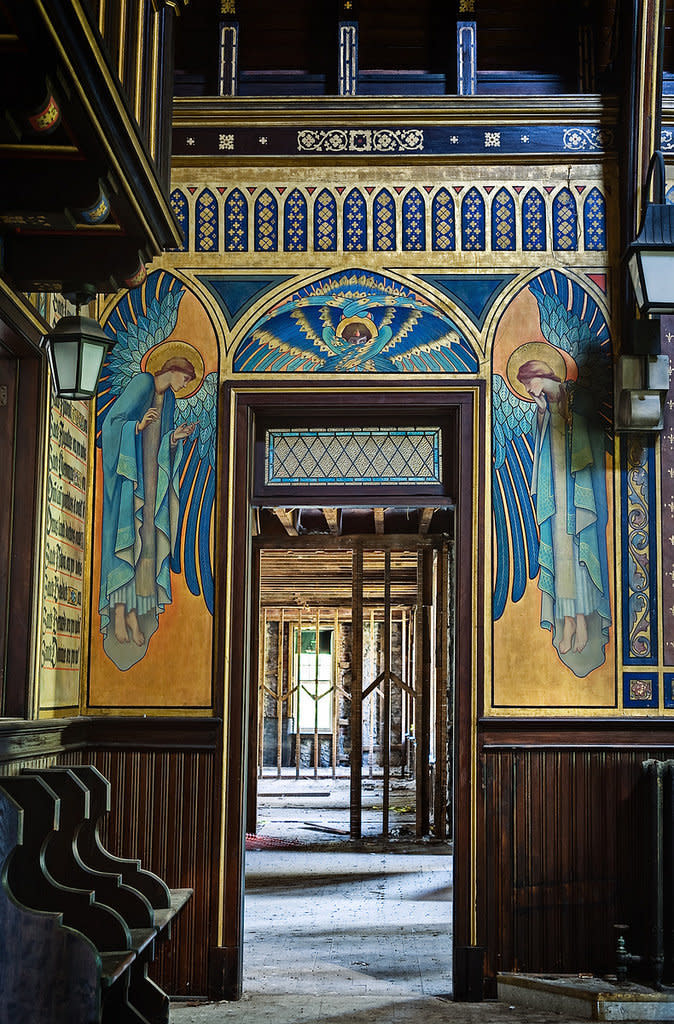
(76, 349)
(650, 257)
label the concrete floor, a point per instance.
(335, 934)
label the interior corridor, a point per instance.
(337, 931)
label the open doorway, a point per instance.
(349, 786)
(442, 423)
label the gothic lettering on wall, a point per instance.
(60, 647)
(552, 446)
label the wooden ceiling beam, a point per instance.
(346, 542)
(379, 520)
(333, 517)
(425, 516)
(288, 519)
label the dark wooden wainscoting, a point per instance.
(560, 841)
(162, 777)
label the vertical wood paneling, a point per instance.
(161, 814)
(562, 849)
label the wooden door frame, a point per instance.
(465, 403)
(21, 330)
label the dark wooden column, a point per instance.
(422, 644)
(641, 52)
(228, 58)
(441, 704)
(356, 691)
(347, 58)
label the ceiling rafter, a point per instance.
(425, 519)
(288, 518)
(333, 517)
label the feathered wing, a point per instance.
(197, 490)
(515, 527)
(300, 333)
(142, 319)
(146, 317)
(571, 321)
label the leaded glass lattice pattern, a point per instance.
(503, 222)
(236, 222)
(325, 222)
(533, 221)
(206, 217)
(355, 222)
(295, 222)
(266, 222)
(564, 221)
(384, 216)
(414, 221)
(472, 222)
(442, 219)
(594, 221)
(182, 215)
(333, 456)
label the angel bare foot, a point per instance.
(581, 633)
(121, 632)
(568, 634)
(137, 635)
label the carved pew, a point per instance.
(36, 947)
(118, 909)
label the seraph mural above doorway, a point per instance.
(355, 321)
(156, 429)
(552, 442)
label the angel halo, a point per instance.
(165, 350)
(349, 325)
(538, 351)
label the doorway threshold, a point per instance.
(585, 997)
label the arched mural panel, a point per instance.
(155, 491)
(355, 321)
(552, 500)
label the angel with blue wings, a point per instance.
(147, 416)
(355, 321)
(551, 433)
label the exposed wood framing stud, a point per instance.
(288, 518)
(334, 520)
(425, 517)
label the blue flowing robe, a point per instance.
(124, 506)
(574, 455)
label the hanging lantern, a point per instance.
(76, 348)
(650, 257)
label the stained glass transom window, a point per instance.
(414, 221)
(355, 222)
(533, 221)
(266, 223)
(329, 456)
(295, 222)
(206, 217)
(236, 222)
(442, 217)
(384, 216)
(472, 221)
(594, 221)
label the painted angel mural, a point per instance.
(156, 430)
(355, 321)
(552, 432)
